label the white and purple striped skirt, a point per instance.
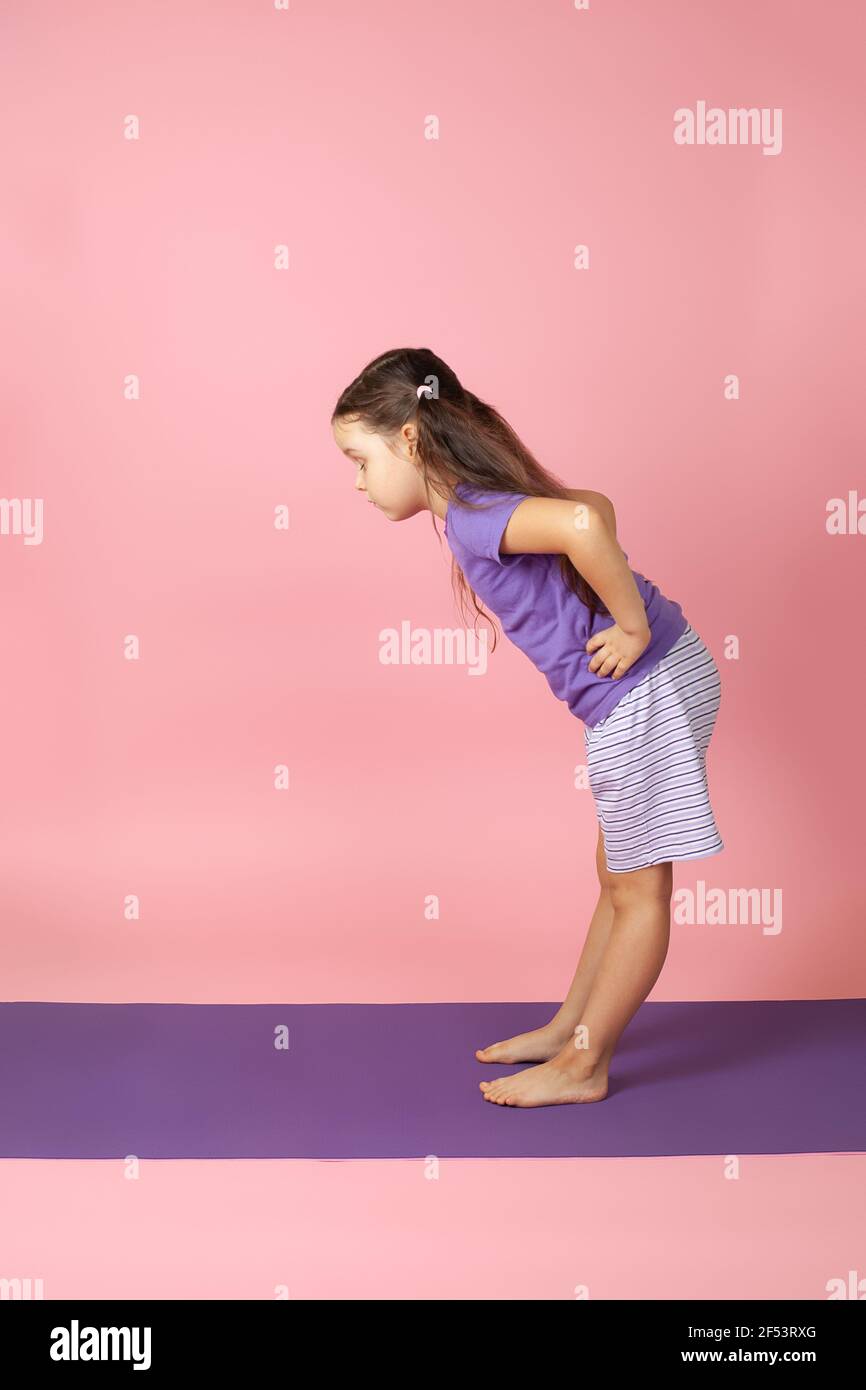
(646, 762)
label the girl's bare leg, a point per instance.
(630, 966)
(632, 963)
(543, 1043)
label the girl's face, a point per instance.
(391, 481)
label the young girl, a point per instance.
(546, 561)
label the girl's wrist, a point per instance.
(636, 629)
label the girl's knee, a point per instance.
(655, 881)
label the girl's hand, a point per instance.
(615, 651)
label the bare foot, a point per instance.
(565, 1079)
(538, 1046)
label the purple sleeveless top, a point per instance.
(541, 615)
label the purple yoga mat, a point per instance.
(401, 1081)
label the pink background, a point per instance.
(260, 647)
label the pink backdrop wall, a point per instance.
(259, 647)
(153, 258)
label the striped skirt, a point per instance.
(646, 762)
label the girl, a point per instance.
(546, 560)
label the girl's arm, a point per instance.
(580, 530)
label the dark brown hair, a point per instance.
(457, 434)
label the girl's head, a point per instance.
(412, 430)
(379, 423)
